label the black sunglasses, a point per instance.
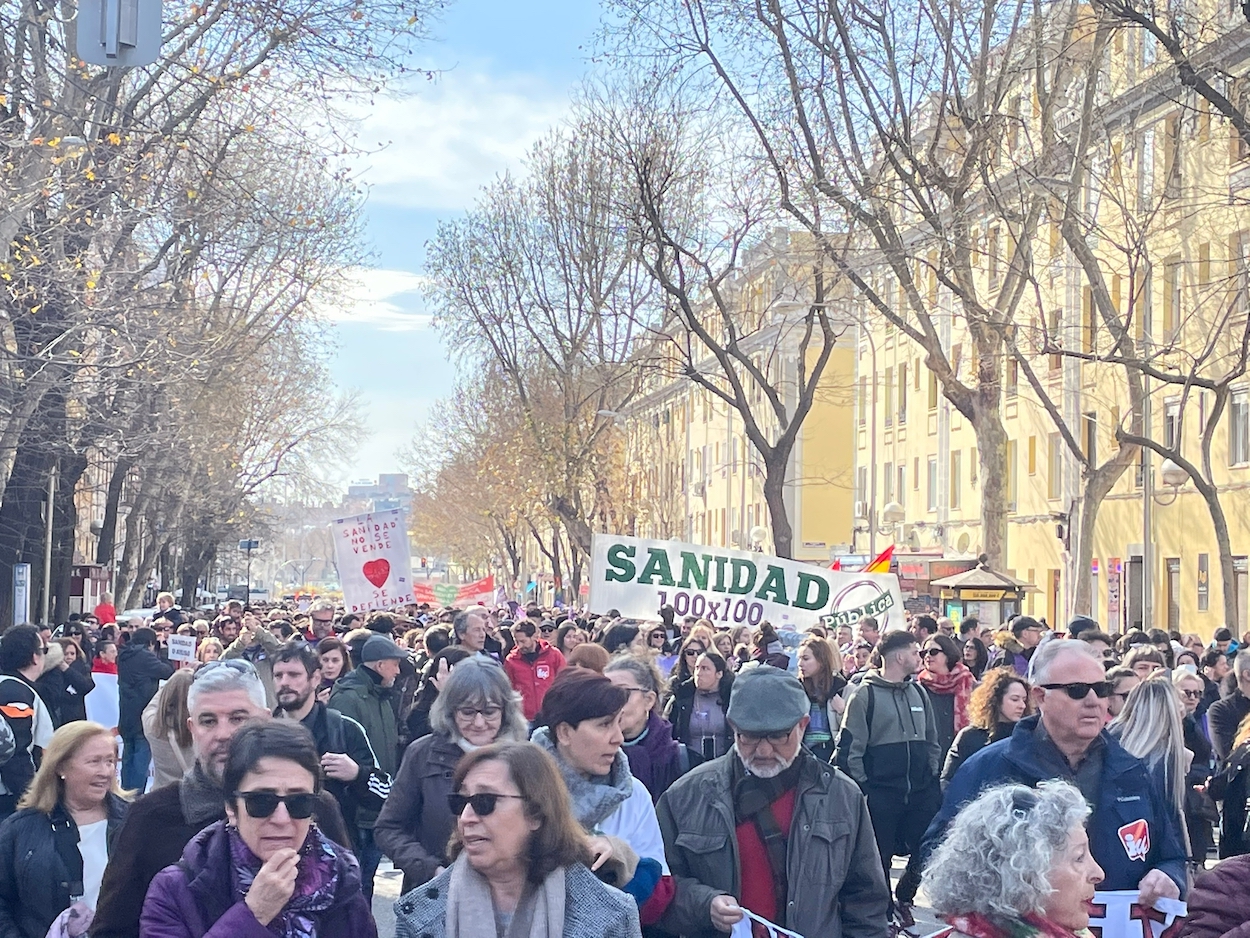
(299, 805)
(483, 802)
(1079, 690)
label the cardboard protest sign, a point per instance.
(181, 647)
(375, 564)
(1117, 915)
(733, 587)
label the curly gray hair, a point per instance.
(479, 682)
(998, 852)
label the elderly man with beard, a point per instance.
(224, 696)
(770, 829)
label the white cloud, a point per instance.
(388, 300)
(453, 135)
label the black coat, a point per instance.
(416, 821)
(139, 675)
(34, 875)
(1232, 786)
(65, 692)
(968, 742)
(682, 703)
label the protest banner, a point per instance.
(1117, 914)
(181, 648)
(104, 701)
(449, 594)
(734, 587)
(375, 565)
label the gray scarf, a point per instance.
(201, 798)
(593, 802)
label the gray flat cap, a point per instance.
(766, 700)
(380, 648)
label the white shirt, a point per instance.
(634, 822)
(93, 845)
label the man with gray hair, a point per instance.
(1224, 716)
(321, 614)
(1135, 833)
(224, 695)
(764, 826)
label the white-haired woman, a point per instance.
(475, 707)
(1015, 863)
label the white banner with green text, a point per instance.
(734, 587)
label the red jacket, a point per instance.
(532, 678)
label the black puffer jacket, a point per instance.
(34, 873)
(65, 692)
(139, 674)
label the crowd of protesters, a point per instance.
(543, 772)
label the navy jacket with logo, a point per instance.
(1129, 793)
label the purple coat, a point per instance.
(656, 759)
(1219, 905)
(195, 897)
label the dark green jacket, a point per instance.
(361, 696)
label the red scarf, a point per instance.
(976, 925)
(958, 683)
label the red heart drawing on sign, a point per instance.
(376, 571)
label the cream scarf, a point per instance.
(471, 911)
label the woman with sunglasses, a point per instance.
(1200, 811)
(697, 711)
(949, 683)
(520, 859)
(476, 707)
(266, 869)
(54, 849)
(683, 670)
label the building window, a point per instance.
(1012, 482)
(1089, 426)
(915, 474)
(863, 400)
(933, 390)
(889, 397)
(1172, 282)
(933, 483)
(861, 484)
(887, 481)
(1013, 378)
(1032, 455)
(1171, 424)
(1054, 477)
(902, 486)
(956, 476)
(902, 393)
(1239, 429)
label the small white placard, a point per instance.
(182, 648)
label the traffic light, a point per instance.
(119, 33)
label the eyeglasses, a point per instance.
(930, 652)
(547, 628)
(234, 664)
(469, 714)
(1079, 690)
(693, 652)
(751, 740)
(483, 802)
(299, 805)
(1192, 694)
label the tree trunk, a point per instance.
(64, 523)
(107, 542)
(992, 457)
(1225, 547)
(1097, 484)
(775, 498)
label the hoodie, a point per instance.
(889, 737)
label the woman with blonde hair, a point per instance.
(1150, 728)
(54, 849)
(210, 650)
(166, 727)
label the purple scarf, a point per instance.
(316, 883)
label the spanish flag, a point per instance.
(882, 563)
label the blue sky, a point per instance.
(507, 72)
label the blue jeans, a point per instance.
(369, 855)
(136, 756)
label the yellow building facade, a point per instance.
(1171, 182)
(693, 472)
